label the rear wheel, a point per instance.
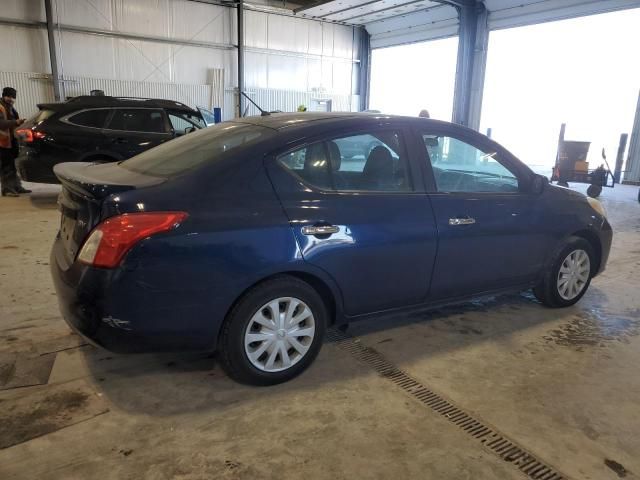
(274, 332)
(569, 276)
(594, 191)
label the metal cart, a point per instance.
(572, 166)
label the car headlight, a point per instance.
(597, 206)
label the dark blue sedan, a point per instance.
(254, 236)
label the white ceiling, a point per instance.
(396, 22)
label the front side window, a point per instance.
(138, 120)
(90, 118)
(461, 167)
(366, 162)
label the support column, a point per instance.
(240, 57)
(472, 60)
(632, 168)
(364, 80)
(57, 85)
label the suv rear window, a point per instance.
(90, 118)
(138, 120)
(187, 152)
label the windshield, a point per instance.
(185, 122)
(187, 152)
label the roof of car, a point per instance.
(278, 121)
(89, 101)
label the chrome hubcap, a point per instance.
(574, 274)
(279, 334)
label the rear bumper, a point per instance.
(111, 313)
(33, 167)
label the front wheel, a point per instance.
(274, 332)
(594, 190)
(569, 276)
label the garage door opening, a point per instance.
(581, 72)
(408, 78)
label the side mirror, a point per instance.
(538, 184)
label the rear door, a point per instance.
(491, 230)
(81, 133)
(357, 214)
(133, 130)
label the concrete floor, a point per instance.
(563, 384)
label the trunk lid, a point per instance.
(85, 187)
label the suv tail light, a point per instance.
(28, 136)
(108, 242)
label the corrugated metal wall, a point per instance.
(33, 88)
(287, 58)
(192, 95)
(284, 100)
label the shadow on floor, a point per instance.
(44, 200)
(169, 384)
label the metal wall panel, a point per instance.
(32, 88)
(147, 17)
(192, 95)
(199, 21)
(23, 10)
(24, 49)
(92, 14)
(285, 101)
(284, 53)
(255, 31)
(90, 55)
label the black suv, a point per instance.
(99, 129)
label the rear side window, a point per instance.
(90, 118)
(190, 151)
(371, 162)
(138, 120)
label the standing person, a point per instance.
(9, 120)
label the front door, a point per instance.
(353, 208)
(490, 227)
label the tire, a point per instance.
(234, 346)
(594, 191)
(563, 184)
(551, 291)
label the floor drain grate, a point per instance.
(499, 444)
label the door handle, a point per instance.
(119, 140)
(462, 221)
(320, 229)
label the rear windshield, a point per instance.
(191, 150)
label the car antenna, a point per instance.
(263, 113)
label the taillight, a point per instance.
(113, 238)
(28, 136)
